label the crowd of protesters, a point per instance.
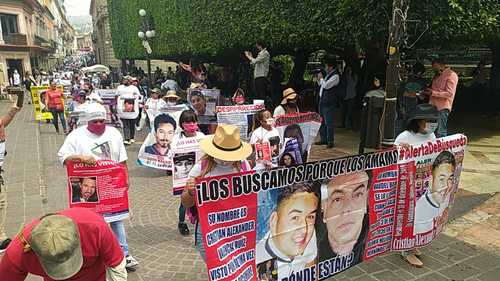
(89, 248)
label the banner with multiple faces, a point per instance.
(314, 220)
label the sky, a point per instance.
(77, 7)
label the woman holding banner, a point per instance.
(262, 134)
(225, 153)
(422, 123)
(288, 104)
(188, 121)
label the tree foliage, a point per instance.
(215, 30)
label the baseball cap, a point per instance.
(95, 111)
(56, 242)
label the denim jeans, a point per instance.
(118, 228)
(442, 130)
(58, 114)
(182, 213)
(128, 129)
(198, 241)
(327, 125)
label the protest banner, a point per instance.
(38, 100)
(203, 102)
(103, 187)
(240, 116)
(109, 99)
(314, 220)
(186, 152)
(297, 133)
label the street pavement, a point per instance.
(469, 249)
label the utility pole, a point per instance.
(396, 35)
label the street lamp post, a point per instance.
(146, 33)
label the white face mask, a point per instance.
(222, 162)
(270, 122)
(430, 127)
(171, 103)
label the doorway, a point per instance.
(14, 64)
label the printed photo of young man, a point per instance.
(85, 190)
(291, 238)
(435, 199)
(343, 223)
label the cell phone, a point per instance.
(20, 99)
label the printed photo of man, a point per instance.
(183, 162)
(435, 200)
(344, 205)
(164, 126)
(85, 190)
(291, 238)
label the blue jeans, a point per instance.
(182, 213)
(55, 115)
(442, 130)
(326, 129)
(198, 241)
(118, 228)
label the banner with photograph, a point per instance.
(38, 99)
(297, 134)
(314, 220)
(203, 102)
(103, 187)
(240, 116)
(186, 153)
(127, 106)
(109, 99)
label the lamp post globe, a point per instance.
(149, 34)
(141, 34)
(142, 12)
(153, 33)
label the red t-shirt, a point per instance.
(54, 98)
(100, 250)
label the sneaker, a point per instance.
(413, 260)
(126, 142)
(4, 244)
(130, 262)
(132, 141)
(183, 228)
(417, 252)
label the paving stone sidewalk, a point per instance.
(36, 185)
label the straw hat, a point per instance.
(226, 144)
(171, 94)
(56, 243)
(155, 90)
(288, 94)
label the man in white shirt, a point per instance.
(128, 95)
(327, 100)
(261, 68)
(97, 141)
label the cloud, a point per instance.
(77, 7)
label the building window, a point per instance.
(9, 23)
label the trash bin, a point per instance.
(373, 107)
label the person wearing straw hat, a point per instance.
(288, 104)
(224, 153)
(171, 98)
(422, 123)
(74, 244)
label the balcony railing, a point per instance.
(17, 39)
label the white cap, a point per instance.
(95, 111)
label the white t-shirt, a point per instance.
(216, 170)
(411, 138)
(153, 107)
(181, 135)
(82, 142)
(128, 91)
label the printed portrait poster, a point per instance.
(38, 100)
(173, 110)
(109, 98)
(127, 106)
(428, 177)
(241, 116)
(102, 187)
(297, 134)
(315, 220)
(279, 214)
(186, 152)
(262, 152)
(157, 149)
(203, 102)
